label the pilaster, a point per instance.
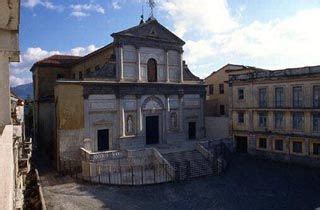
(121, 63)
(181, 69)
(167, 66)
(139, 114)
(122, 118)
(138, 65)
(5, 112)
(181, 115)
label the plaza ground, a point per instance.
(247, 184)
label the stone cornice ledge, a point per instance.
(14, 56)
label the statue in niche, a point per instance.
(174, 120)
(130, 124)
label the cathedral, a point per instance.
(135, 92)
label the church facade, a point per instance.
(133, 93)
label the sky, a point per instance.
(271, 34)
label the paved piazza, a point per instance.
(248, 184)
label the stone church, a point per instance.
(132, 93)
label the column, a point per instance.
(181, 106)
(139, 115)
(181, 69)
(138, 65)
(167, 112)
(121, 63)
(5, 104)
(167, 66)
(122, 118)
(202, 120)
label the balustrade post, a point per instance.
(142, 174)
(132, 178)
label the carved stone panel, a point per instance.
(174, 58)
(96, 105)
(174, 73)
(161, 73)
(130, 72)
(173, 103)
(130, 105)
(130, 124)
(148, 53)
(152, 103)
(192, 103)
(129, 56)
(174, 120)
(9, 12)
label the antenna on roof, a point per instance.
(142, 14)
(152, 5)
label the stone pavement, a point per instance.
(248, 184)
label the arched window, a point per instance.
(152, 70)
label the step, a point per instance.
(199, 166)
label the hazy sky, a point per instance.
(268, 34)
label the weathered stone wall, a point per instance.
(69, 100)
(169, 63)
(46, 78)
(46, 118)
(7, 184)
(70, 119)
(250, 104)
(9, 52)
(217, 127)
(214, 100)
(307, 136)
(109, 112)
(101, 113)
(287, 155)
(96, 59)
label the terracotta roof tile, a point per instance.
(59, 60)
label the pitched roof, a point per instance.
(235, 67)
(188, 75)
(151, 29)
(110, 45)
(58, 61)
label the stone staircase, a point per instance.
(189, 164)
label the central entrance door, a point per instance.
(103, 140)
(152, 129)
(241, 144)
(192, 130)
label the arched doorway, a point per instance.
(152, 70)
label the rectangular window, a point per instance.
(88, 72)
(73, 76)
(221, 88)
(316, 96)
(240, 117)
(80, 75)
(297, 147)
(297, 97)
(262, 119)
(240, 94)
(263, 97)
(278, 145)
(279, 97)
(222, 110)
(60, 76)
(297, 120)
(316, 122)
(278, 120)
(316, 149)
(263, 143)
(210, 89)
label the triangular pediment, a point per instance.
(151, 29)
